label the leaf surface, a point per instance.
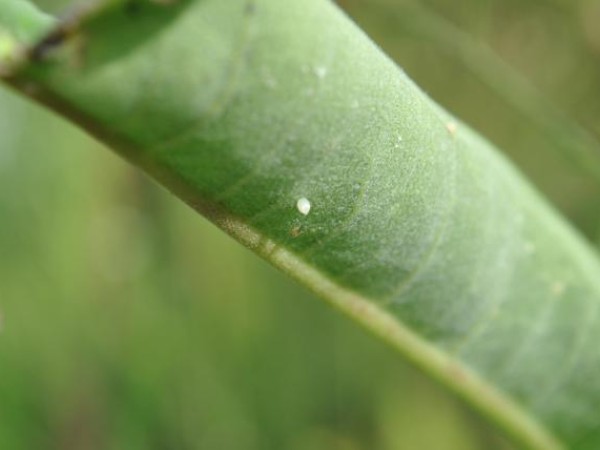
(416, 227)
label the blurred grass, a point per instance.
(552, 46)
(129, 322)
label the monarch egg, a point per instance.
(303, 206)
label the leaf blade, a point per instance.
(417, 228)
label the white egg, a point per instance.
(303, 206)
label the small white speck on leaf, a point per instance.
(268, 246)
(320, 71)
(303, 206)
(398, 141)
(451, 127)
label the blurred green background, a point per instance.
(129, 322)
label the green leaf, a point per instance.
(417, 228)
(20, 23)
(23, 20)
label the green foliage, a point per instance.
(24, 22)
(417, 228)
